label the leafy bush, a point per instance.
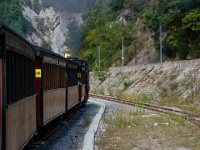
(127, 84)
(173, 86)
(102, 76)
(138, 5)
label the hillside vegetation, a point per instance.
(11, 14)
(104, 28)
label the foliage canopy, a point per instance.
(180, 20)
(11, 14)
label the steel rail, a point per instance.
(193, 118)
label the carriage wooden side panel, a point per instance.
(1, 104)
(21, 122)
(83, 92)
(73, 96)
(54, 88)
(72, 84)
(54, 104)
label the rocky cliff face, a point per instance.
(143, 49)
(56, 24)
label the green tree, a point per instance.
(180, 19)
(100, 30)
(192, 20)
(11, 14)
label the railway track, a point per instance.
(193, 118)
(49, 130)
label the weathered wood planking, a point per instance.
(15, 44)
(21, 122)
(1, 103)
(83, 92)
(72, 96)
(54, 104)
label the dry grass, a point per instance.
(98, 91)
(129, 130)
(171, 100)
(143, 98)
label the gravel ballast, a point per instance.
(71, 135)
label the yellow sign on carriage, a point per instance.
(79, 75)
(38, 73)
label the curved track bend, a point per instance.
(193, 118)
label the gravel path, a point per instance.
(71, 135)
(112, 107)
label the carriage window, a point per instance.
(83, 76)
(72, 77)
(53, 77)
(20, 79)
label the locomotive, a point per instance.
(36, 87)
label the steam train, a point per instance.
(36, 86)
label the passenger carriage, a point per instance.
(36, 87)
(17, 90)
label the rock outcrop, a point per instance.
(125, 16)
(171, 80)
(56, 24)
